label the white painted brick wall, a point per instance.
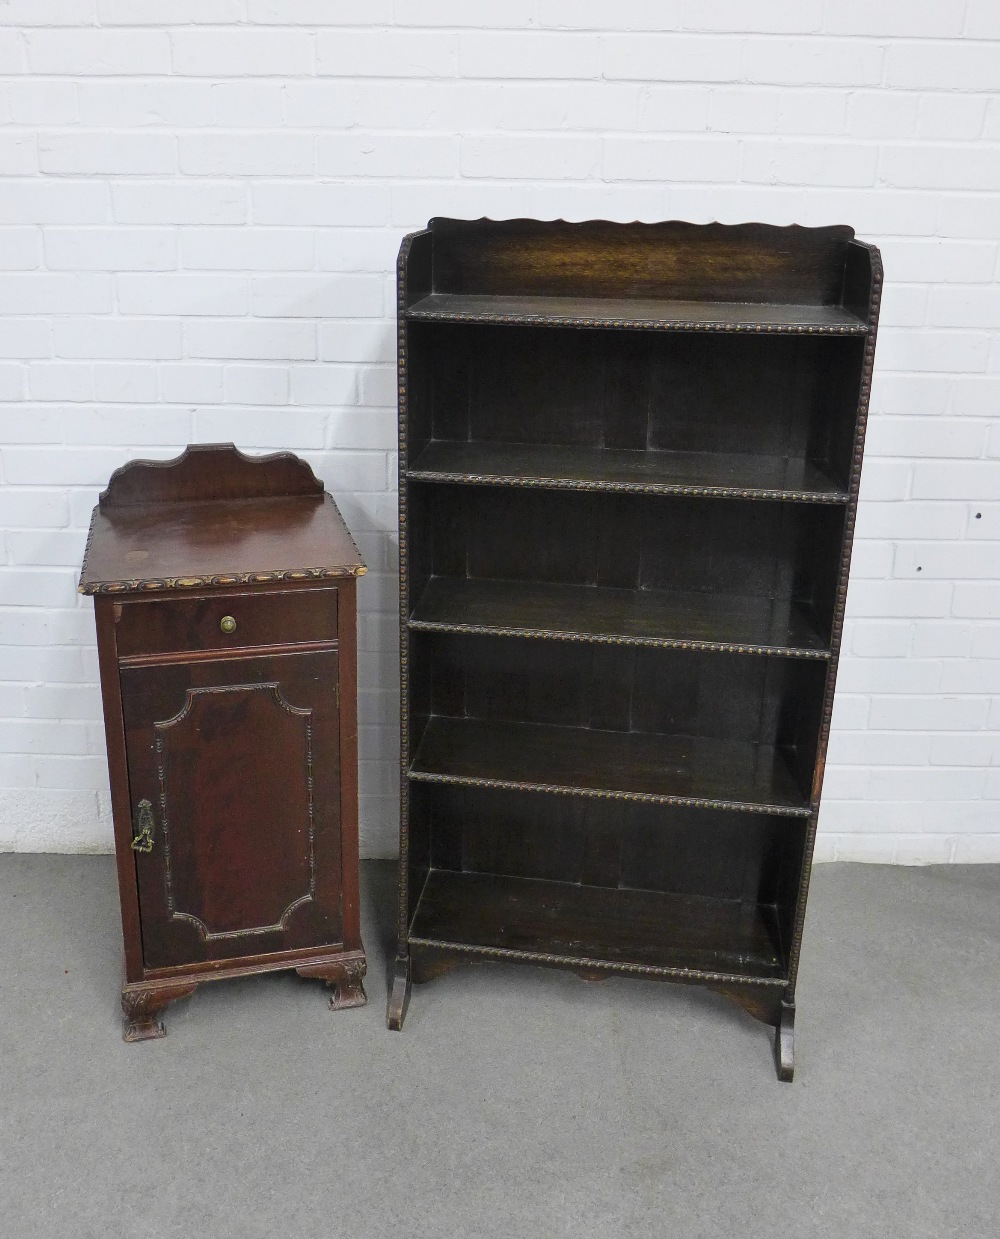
(201, 209)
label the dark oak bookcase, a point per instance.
(628, 475)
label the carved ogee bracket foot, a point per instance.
(142, 1006)
(345, 982)
(348, 993)
(784, 1042)
(399, 995)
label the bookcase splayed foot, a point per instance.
(628, 475)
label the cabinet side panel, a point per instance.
(105, 613)
(348, 699)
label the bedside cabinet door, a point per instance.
(235, 788)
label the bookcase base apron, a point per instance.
(767, 1002)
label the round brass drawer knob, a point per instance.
(227, 624)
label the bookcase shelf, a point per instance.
(625, 312)
(569, 467)
(656, 768)
(649, 932)
(629, 466)
(688, 619)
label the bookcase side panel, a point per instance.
(413, 280)
(863, 278)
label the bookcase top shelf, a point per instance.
(572, 467)
(639, 314)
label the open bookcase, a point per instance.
(629, 467)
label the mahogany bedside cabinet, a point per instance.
(224, 593)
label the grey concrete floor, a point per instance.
(515, 1102)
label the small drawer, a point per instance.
(225, 622)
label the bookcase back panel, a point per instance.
(676, 848)
(680, 261)
(757, 395)
(633, 542)
(750, 861)
(616, 688)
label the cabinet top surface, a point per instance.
(215, 517)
